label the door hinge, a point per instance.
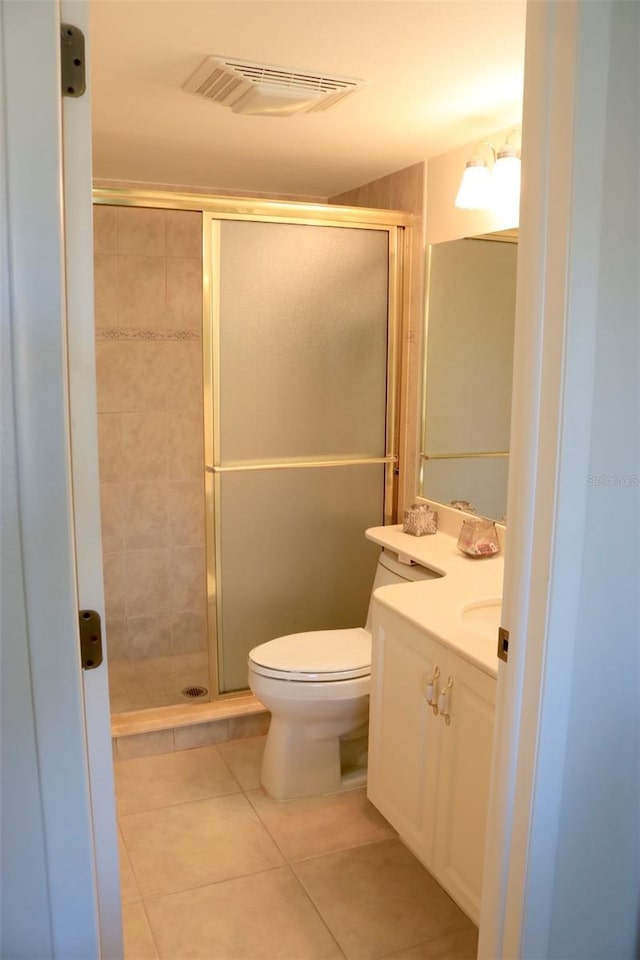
(72, 65)
(503, 644)
(90, 639)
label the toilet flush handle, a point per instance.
(430, 693)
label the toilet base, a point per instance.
(297, 764)
(317, 737)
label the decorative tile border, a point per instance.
(111, 333)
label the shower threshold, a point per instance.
(181, 715)
(186, 725)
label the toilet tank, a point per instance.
(390, 570)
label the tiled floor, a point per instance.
(214, 869)
(156, 681)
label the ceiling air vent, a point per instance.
(256, 88)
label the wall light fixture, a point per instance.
(491, 179)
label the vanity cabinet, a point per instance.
(430, 778)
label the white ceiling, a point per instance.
(439, 73)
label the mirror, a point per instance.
(467, 372)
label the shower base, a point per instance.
(151, 714)
(155, 681)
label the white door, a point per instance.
(66, 902)
(562, 869)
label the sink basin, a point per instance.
(483, 617)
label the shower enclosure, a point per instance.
(300, 343)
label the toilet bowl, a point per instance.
(316, 686)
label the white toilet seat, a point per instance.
(319, 656)
(306, 691)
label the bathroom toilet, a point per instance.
(316, 686)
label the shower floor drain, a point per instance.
(194, 693)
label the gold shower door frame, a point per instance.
(214, 210)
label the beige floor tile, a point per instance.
(129, 892)
(126, 671)
(122, 700)
(313, 826)
(150, 782)
(378, 899)
(164, 696)
(262, 917)
(154, 681)
(178, 669)
(192, 844)
(461, 945)
(138, 942)
(244, 759)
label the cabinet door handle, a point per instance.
(443, 701)
(431, 695)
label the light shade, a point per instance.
(506, 184)
(476, 188)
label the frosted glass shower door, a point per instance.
(300, 429)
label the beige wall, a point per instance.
(148, 281)
(404, 190)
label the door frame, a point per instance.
(539, 761)
(81, 354)
(537, 410)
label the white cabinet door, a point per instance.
(403, 737)
(430, 779)
(463, 783)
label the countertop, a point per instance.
(435, 606)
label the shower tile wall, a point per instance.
(148, 307)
